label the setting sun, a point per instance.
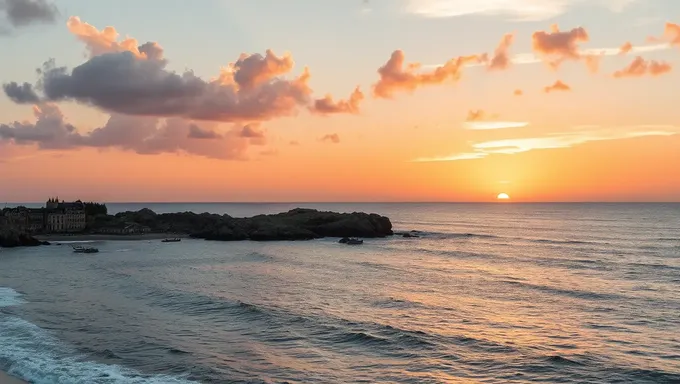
(503, 196)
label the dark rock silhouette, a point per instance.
(11, 237)
(297, 224)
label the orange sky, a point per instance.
(590, 123)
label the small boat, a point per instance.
(80, 249)
(351, 241)
(176, 239)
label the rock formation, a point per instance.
(12, 237)
(297, 224)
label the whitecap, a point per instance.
(9, 297)
(33, 354)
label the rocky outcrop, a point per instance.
(297, 224)
(11, 237)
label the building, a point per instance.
(56, 217)
(30, 220)
(62, 217)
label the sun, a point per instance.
(503, 196)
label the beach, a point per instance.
(107, 237)
(7, 379)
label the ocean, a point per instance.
(492, 293)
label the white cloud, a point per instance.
(521, 10)
(576, 136)
(488, 125)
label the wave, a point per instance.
(459, 235)
(33, 354)
(579, 294)
(9, 297)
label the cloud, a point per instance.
(475, 115)
(672, 33)
(557, 86)
(252, 70)
(557, 46)
(332, 138)
(21, 13)
(106, 41)
(326, 105)
(518, 92)
(477, 120)
(519, 10)
(626, 47)
(641, 67)
(593, 55)
(577, 136)
(396, 75)
(294, 143)
(196, 132)
(50, 131)
(253, 133)
(501, 59)
(142, 135)
(123, 77)
(21, 94)
(122, 83)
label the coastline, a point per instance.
(7, 379)
(108, 237)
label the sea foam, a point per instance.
(33, 354)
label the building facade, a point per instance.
(56, 217)
(65, 217)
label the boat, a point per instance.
(176, 239)
(351, 241)
(80, 249)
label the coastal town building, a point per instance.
(56, 217)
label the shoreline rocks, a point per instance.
(296, 224)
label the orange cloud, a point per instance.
(395, 75)
(252, 70)
(518, 92)
(106, 41)
(626, 47)
(332, 138)
(326, 105)
(672, 32)
(558, 86)
(501, 58)
(555, 47)
(640, 67)
(475, 115)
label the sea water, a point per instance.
(493, 293)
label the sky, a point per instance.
(339, 100)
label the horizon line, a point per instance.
(360, 202)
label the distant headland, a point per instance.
(23, 226)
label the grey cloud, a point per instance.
(253, 133)
(20, 13)
(142, 135)
(21, 94)
(120, 83)
(196, 132)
